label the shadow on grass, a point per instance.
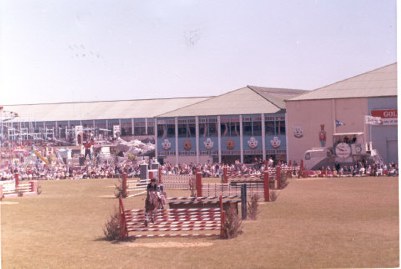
(129, 239)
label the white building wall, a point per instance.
(306, 117)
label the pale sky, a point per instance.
(95, 50)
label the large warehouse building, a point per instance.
(344, 108)
(244, 124)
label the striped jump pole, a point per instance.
(266, 186)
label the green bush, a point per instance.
(273, 196)
(111, 228)
(233, 224)
(119, 190)
(253, 207)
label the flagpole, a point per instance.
(370, 137)
(364, 131)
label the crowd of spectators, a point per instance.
(21, 160)
(362, 168)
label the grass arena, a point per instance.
(314, 223)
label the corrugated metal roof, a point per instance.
(146, 108)
(247, 100)
(377, 83)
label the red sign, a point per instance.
(385, 113)
(388, 116)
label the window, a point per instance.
(165, 127)
(126, 127)
(186, 127)
(151, 129)
(229, 126)
(275, 125)
(269, 127)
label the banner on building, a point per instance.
(370, 120)
(116, 130)
(387, 116)
(79, 135)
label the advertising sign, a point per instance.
(388, 116)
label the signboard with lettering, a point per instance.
(388, 116)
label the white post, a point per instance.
(219, 138)
(176, 139)
(241, 143)
(264, 138)
(197, 138)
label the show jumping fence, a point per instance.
(177, 222)
(271, 178)
(15, 188)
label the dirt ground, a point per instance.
(314, 223)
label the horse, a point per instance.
(154, 201)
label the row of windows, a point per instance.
(226, 129)
(208, 126)
(63, 128)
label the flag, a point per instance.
(339, 123)
(370, 120)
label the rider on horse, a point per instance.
(153, 186)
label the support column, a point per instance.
(266, 190)
(16, 178)
(124, 185)
(222, 217)
(278, 177)
(156, 142)
(244, 203)
(198, 184)
(225, 176)
(176, 139)
(160, 175)
(219, 138)
(263, 137)
(197, 138)
(241, 142)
